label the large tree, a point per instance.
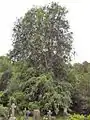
(43, 38)
(42, 41)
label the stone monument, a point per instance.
(25, 117)
(36, 114)
(49, 115)
(65, 111)
(12, 117)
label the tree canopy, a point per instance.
(43, 38)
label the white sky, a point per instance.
(78, 16)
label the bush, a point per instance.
(76, 117)
(4, 112)
(33, 105)
(88, 117)
(20, 118)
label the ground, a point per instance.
(59, 118)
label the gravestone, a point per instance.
(13, 106)
(57, 111)
(65, 111)
(53, 118)
(36, 114)
(12, 117)
(25, 117)
(1, 118)
(49, 115)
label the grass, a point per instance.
(59, 118)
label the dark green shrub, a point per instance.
(4, 112)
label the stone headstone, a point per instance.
(65, 111)
(36, 114)
(53, 118)
(1, 118)
(13, 106)
(12, 117)
(49, 115)
(57, 111)
(25, 117)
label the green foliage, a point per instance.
(5, 63)
(81, 85)
(33, 105)
(4, 112)
(43, 39)
(88, 117)
(42, 43)
(5, 72)
(38, 73)
(76, 117)
(4, 98)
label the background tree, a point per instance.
(79, 77)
